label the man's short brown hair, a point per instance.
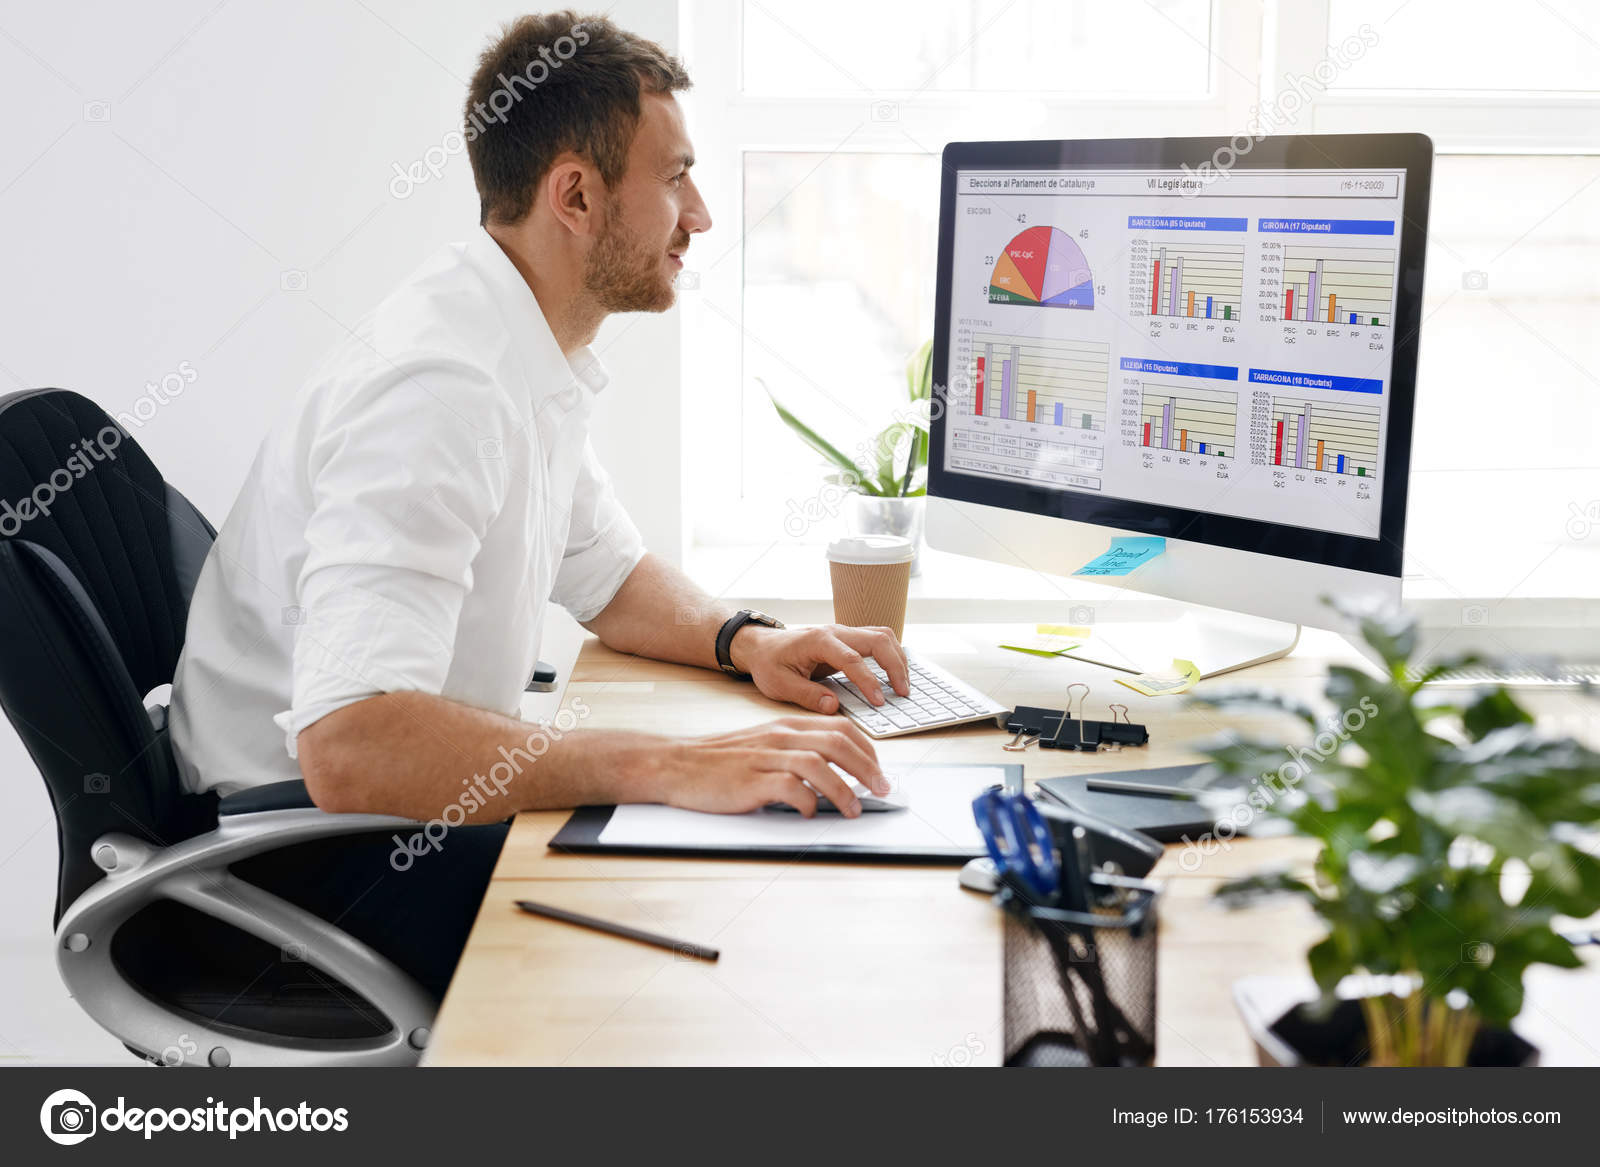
(551, 84)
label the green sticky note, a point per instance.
(1044, 645)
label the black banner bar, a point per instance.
(176, 1116)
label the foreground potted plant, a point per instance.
(887, 479)
(1448, 845)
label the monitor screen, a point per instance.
(1191, 350)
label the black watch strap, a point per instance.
(725, 637)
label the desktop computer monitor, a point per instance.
(1210, 340)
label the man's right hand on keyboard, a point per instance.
(786, 664)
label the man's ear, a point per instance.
(572, 191)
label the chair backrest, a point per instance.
(98, 560)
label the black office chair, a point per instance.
(157, 939)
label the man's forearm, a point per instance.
(414, 754)
(661, 613)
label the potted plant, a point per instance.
(888, 478)
(1448, 845)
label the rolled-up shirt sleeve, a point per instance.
(603, 545)
(401, 499)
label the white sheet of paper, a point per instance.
(940, 816)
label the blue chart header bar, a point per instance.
(1315, 381)
(1179, 369)
(1184, 223)
(1327, 226)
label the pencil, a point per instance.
(682, 947)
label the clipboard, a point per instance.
(939, 834)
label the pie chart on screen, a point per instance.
(1042, 266)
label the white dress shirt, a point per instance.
(432, 487)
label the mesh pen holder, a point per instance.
(1080, 987)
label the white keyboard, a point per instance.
(937, 700)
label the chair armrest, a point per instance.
(290, 795)
(195, 872)
(543, 679)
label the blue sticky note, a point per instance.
(1124, 555)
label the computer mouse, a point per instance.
(894, 800)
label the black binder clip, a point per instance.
(1057, 729)
(1090, 736)
(1029, 723)
(1073, 734)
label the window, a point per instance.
(842, 46)
(819, 129)
(1549, 46)
(832, 303)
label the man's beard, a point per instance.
(623, 274)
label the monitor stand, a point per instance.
(1217, 642)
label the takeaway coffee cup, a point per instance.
(870, 576)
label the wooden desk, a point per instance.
(833, 963)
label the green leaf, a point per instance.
(1581, 899)
(917, 462)
(919, 373)
(1497, 995)
(1446, 665)
(1494, 709)
(1328, 964)
(810, 436)
(1390, 631)
(1557, 781)
(886, 448)
(1500, 822)
(1542, 946)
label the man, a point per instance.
(372, 609)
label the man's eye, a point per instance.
(679, 177)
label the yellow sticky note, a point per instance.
(1074, 630)
(1179, 679)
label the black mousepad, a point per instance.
(1168, 820)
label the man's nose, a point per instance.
(696, 217)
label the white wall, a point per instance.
(187, 183)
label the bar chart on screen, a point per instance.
(1333, 437)
(1037, 411)
(1338, 285)
(1188, 419)
(1203, 281)
(1032, 379)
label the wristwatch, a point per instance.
(725, 637)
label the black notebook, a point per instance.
(1165, 819)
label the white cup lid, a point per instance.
(871, 549)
